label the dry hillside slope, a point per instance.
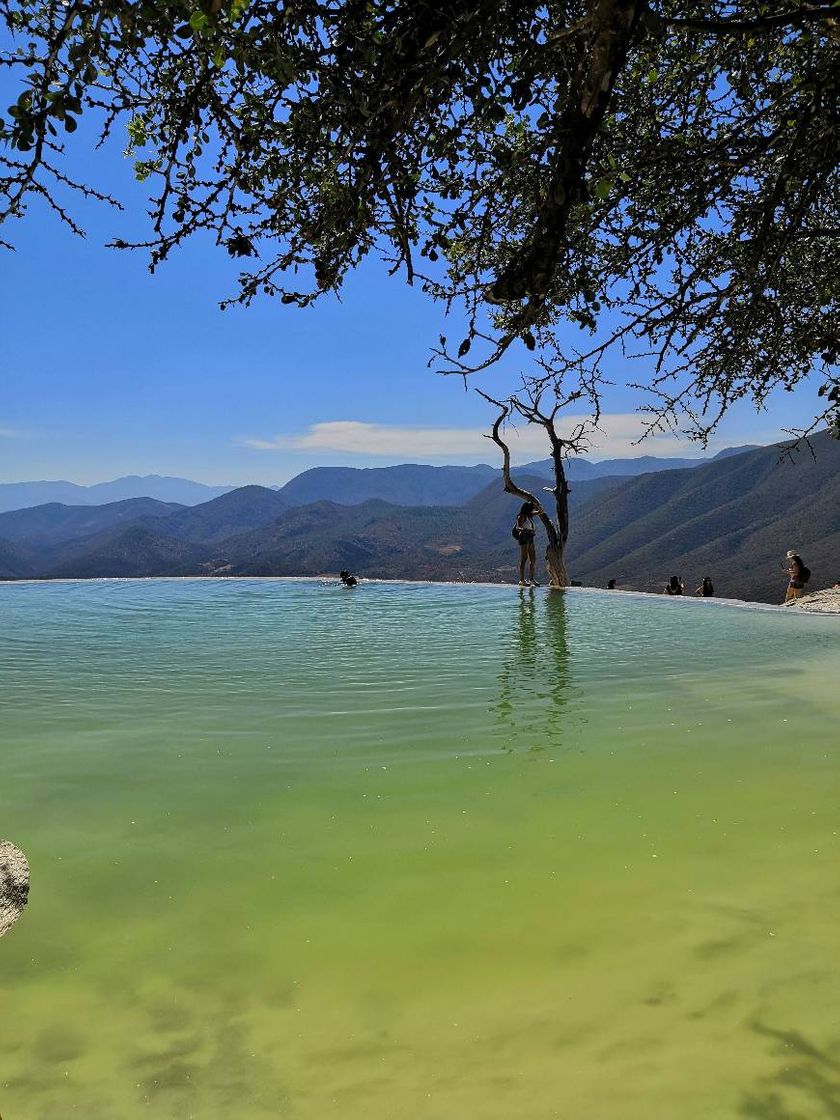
(732, 519)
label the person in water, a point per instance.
(347, 579)
(706, 588)
(675, 586)
(799, 575)
(526, 534)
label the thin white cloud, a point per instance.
(616, 438)
(355, 437)
(9, 433)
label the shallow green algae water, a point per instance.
(421, 852)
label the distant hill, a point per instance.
(138, 536)
(56, 522)
(234, 512)
(21, 495)
(728, 451)
(578, 469)
(131, 550)
(16, 561)
(583, 469)
(411, 484)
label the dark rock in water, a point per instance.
(14, 884)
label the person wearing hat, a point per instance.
(799, 575)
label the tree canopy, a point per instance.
(660, 176)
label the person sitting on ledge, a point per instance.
(706, 588)
(347, 579)
(674, 586)
(611, 585)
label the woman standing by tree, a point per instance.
(526, 534)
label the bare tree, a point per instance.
(541, 401)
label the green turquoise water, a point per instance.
(422, 852)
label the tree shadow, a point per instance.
(534, 681)
(809, 1078)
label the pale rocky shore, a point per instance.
(14, 884)
(818, 602)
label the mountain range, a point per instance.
(409, 484)
(254, 531)
(731, 517)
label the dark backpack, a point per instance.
(804, 573)
(516, 532)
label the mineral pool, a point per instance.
(423, 852)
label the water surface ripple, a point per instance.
(423, 851)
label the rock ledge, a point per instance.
(819, 602)
(14, 884)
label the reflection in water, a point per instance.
(809, 1075)
(534, 680)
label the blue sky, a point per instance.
(106, 370)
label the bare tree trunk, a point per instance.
(556, 533)
(555, 553)
(555, 561)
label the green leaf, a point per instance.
(603, 188)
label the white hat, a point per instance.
(790, 554)
(14, 884)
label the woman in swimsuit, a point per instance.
(796, 571)
(526, 537)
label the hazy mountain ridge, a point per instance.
(183, 491)
(578, 469)
(407, 484)
(410, 484)
(731, 518)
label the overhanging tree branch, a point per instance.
(766, 23)
(512, 487)
(675, 196)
